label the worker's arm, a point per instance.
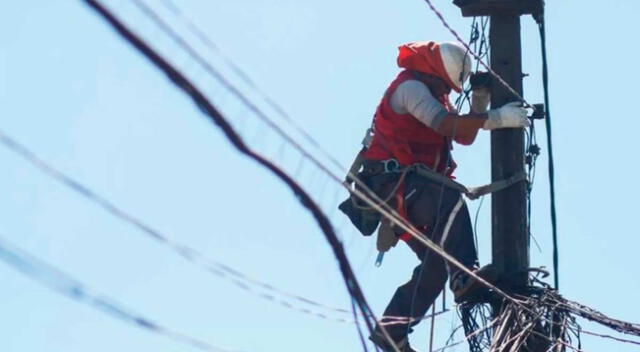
(413, 97)
(462, 128)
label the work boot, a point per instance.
(465, 286)
(379, 340)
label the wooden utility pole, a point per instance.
(510, 240)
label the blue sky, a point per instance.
(83, 99)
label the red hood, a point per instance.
(424, 57)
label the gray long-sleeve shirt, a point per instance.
(413, 97)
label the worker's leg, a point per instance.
(445, 219)
(414, 298)
(445, 215)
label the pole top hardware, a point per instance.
(491, 7)
(539, 112)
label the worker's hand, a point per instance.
(511, 115)
(481, 91)
(480, 98)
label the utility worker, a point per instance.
(414, 125)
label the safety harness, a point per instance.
(387, 238)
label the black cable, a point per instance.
(216, 117)
(547, 121)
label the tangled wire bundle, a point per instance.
(535, 321)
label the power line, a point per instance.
(547, 121)
(209, 44)
(478, 57)
(369, 197)
(211, 111)
(605, 336)
(385, 210)
(189, 254)
(68, 286)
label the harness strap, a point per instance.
(355, 167)
(472, 192)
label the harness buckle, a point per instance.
(390, 165)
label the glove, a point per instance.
(480, 98)
(510, 115)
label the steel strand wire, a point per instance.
(64, 284)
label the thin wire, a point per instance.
(412, 231)
(547, 120)
(215, 49)
(68, 286)
(475, 223)
(467, 337)
(478, 57)
(189, 254)
(610, 337)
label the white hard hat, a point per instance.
(457, 62)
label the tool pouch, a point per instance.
(366, 221)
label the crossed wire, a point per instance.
(435, 246)
(393, 216)
(368, 196)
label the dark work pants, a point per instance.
(436, 211)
